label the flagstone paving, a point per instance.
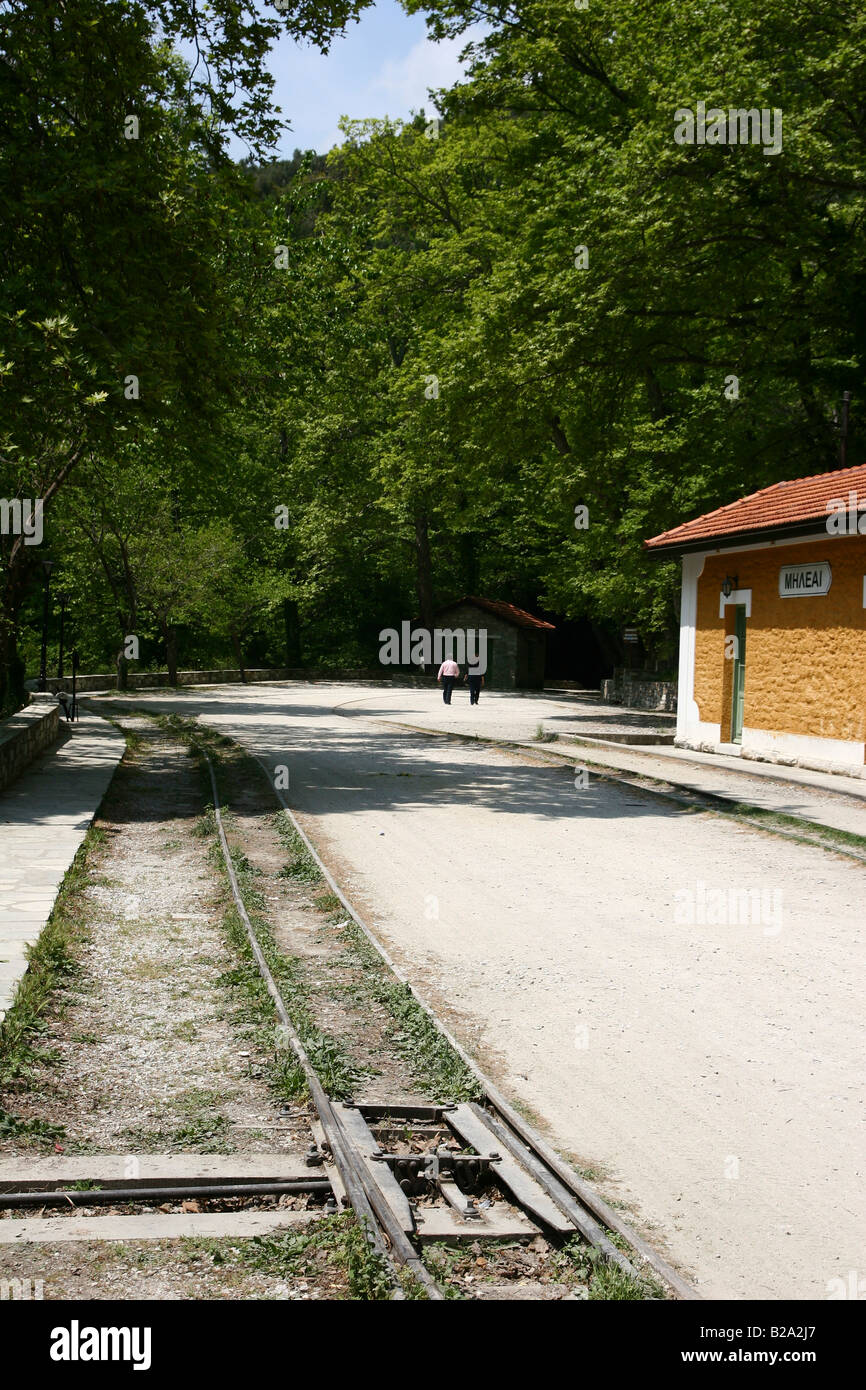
(44, 816)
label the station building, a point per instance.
(773, 624)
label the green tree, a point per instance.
(120, 311)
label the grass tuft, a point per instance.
(542, 735)
(606, 1281)
(432, 1060)
(301, 867)
(332, 1240)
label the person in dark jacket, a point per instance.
(475, 681)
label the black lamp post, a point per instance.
(74, 708)
(47, 567)
(63, 598)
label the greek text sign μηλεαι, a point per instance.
(802, 581)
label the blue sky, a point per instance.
(382, 67)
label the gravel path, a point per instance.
(710, 1064)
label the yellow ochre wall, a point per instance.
(805, 657)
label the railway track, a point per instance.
(488, 1171)
(414, 1175)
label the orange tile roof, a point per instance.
(781, 505)
(518, 616)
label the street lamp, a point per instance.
(729, 585)
(47, 567)
(63, 598)
(74, 708)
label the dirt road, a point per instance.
(702, 1048)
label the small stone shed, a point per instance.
(516, 640)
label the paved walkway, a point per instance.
(823, 798)
(44, 817)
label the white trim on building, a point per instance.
(803, 748)
(688, 715)
(737, 596)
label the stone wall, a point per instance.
(153, 680)
(635, 692)
(24, 736)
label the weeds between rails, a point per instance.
(434, 1065)
(415, 1037)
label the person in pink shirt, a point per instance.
(449, 673)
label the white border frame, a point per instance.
(737, 596)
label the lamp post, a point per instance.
(74, 709)
(47, 567)
(63, 598)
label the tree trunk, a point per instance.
(120, 661)
(467, 555)
(16, 579)
(292, 621)
(655, 396)
(559, 436)
(169, 634)
(424, 573)
(12, 692)
(239, 656)
(12, 671)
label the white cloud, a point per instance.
(404, 81)
(380, 66)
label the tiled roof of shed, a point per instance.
(774, 507)
(518, 616)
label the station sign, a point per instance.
(805, 581)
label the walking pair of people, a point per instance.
(449, 674)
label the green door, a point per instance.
(739, 690)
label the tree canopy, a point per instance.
(436, 346)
